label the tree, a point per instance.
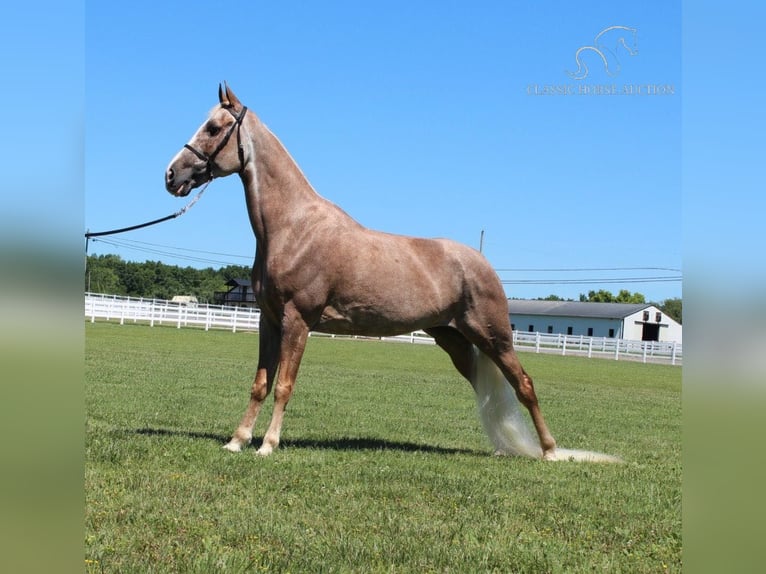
(103, 274)
(600, 296)
(673, 308)
(603, 296)
(101, 279)
(625, 296)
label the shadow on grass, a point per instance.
(362, 443)
(340, 444)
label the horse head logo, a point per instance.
(606, 46)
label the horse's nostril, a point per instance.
(170, 175)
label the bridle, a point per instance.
(210, 159)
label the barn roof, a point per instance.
(574, 309)
(237, 282)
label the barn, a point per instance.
(240, 294)
(631, 321)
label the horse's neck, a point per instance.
(278, 195)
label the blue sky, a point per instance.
(421, 118)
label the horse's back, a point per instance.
(382, 284)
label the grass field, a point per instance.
(383, 465)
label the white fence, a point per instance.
(162, 312)
(603, 347)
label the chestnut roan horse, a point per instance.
(316, 269)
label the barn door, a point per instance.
(651, 332)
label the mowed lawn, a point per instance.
(383, 465)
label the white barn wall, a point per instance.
(669, 330)
(674, 332)
(580, 325)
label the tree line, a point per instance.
(671, 307)
(154, 279)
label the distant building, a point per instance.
(188, 300)
(240, 294)
(631, 321)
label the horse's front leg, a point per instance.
(294, 335)
(268, 359)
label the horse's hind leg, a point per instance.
(268, 359)
(509, 364)
(457, 347)
(494, 339)
(460, 350)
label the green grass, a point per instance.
(383, 465)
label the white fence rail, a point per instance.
(603, 347)
(161, 312)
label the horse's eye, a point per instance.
(213, 129)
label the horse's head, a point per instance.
(212, 152)
(631, 41)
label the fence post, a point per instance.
(590, 347)
(537, 342)
(645, 345)
(673, 354)
(616, 349)
(234, 321)
(564, 346)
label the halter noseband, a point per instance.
(210, 159)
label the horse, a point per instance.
(317, 269)
(614, 34)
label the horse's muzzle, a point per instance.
(183, 187)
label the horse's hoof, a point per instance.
(265, 450)
(232, 446)
(550, 454)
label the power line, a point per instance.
(583, 269)
(610, 280)
(161, 249)
(589, 280)
(120, 244)
(190, 250)
(133, 241)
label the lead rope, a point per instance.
(178, 213)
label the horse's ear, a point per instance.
(229, 98)
(221, 100)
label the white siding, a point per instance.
(669, 330)
(579, 325)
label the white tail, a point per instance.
(504, 422)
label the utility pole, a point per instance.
(87, 243)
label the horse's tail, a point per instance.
(503, 419)
(582, 67)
